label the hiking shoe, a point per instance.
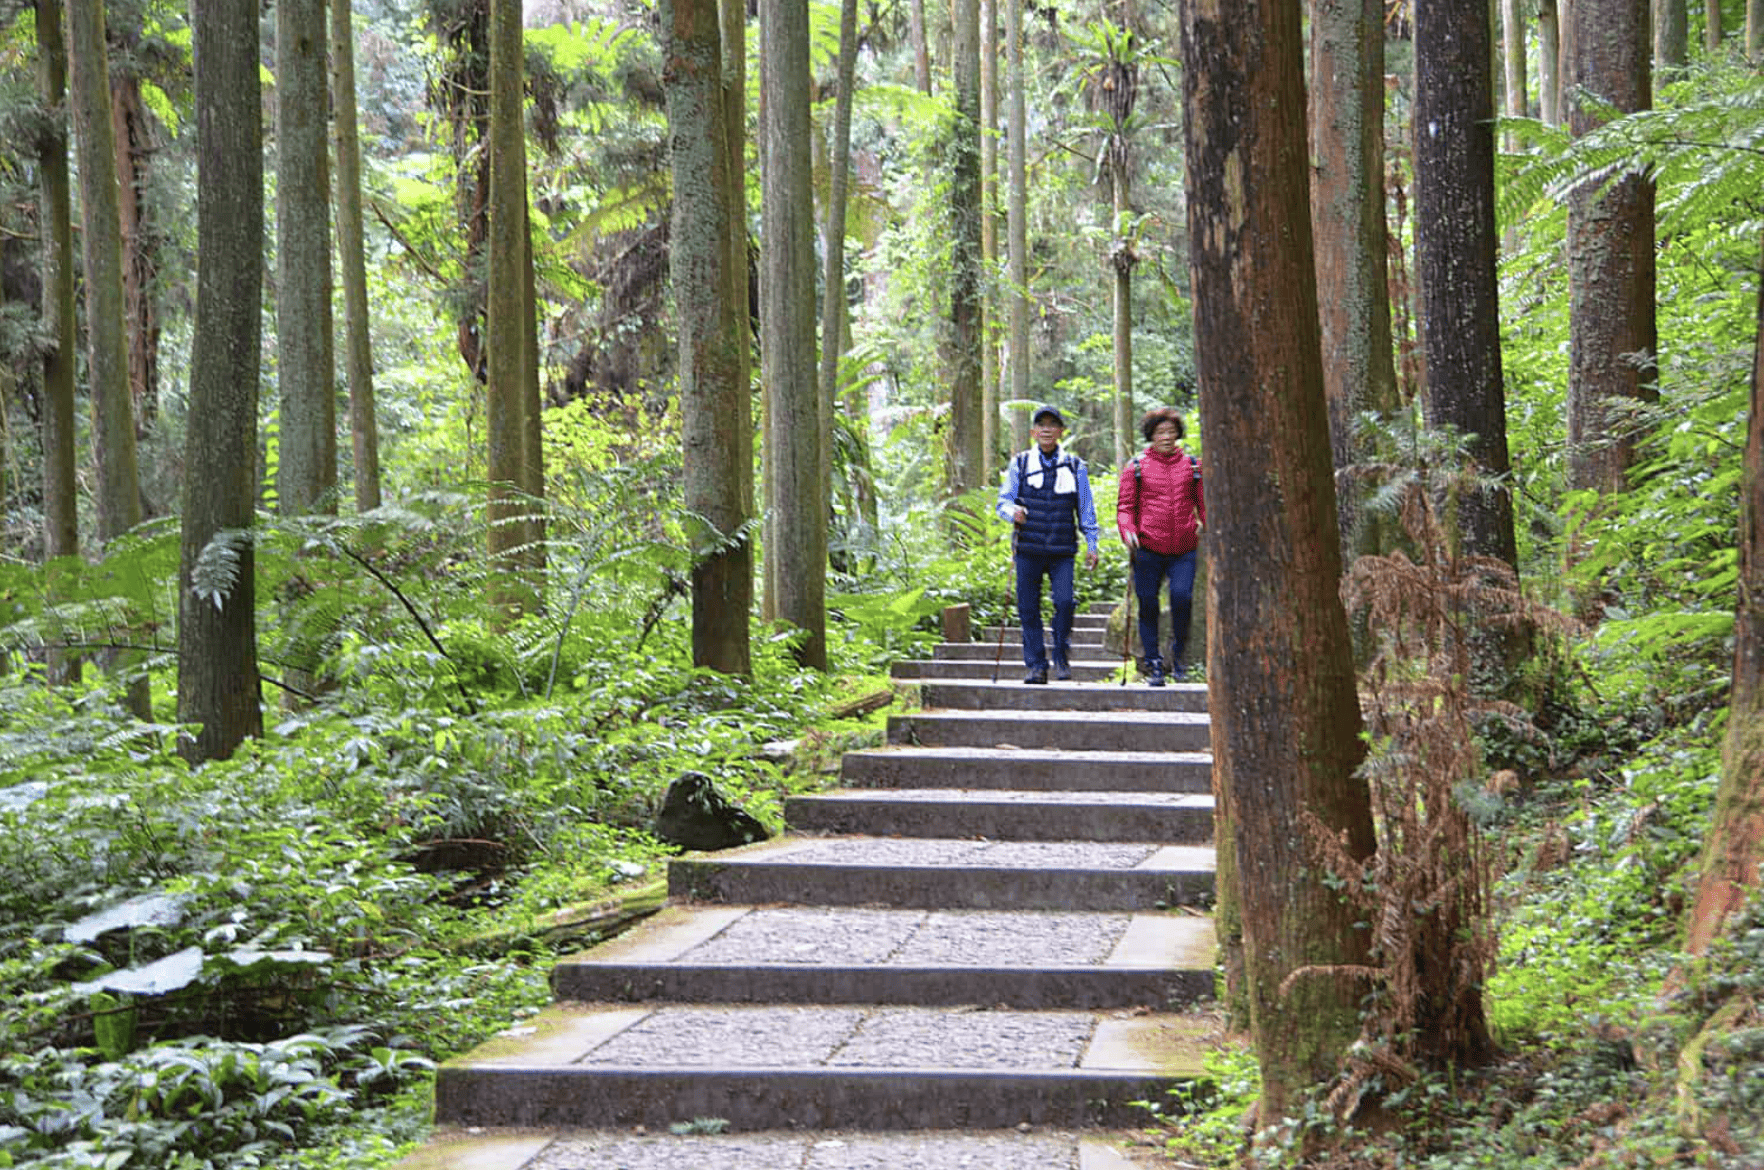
(1037, 676)
(1179, 672)
(1154, 672)
(1062, 670)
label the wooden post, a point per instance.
(956, 627)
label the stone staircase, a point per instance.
(977, 952)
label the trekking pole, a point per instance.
(1126, 620)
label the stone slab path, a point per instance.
(981, 952)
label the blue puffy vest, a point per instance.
(1051, 527)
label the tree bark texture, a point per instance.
(364, 431)
(1117, 95)
(833, 238)
(217, 641)
(714, 400)
(921, 45)
(1755, 31)
(505, 320)
(1549, 62)
(733, 19)
(787, 315)
(1286, 719)
(61, 533)
(1671, 34)
(1351, 238)
(1735, 846)
(1610, 252)
(113, 419)
(1513, 57)
(1712, 25)
(130, 131)
(306, 479)
(1456, 248)
(1017, 225)
(966, 467)
(991, 450)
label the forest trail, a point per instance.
(977, 953)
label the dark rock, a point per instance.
(694, 815)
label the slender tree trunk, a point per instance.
(1610, 252)
(833, 239)
(1549, 62)
(307, 470)
(505, 322)
(359, 360)
(1121, 261)
(1273, 543)
(1735, 845)
(1513, 57)
(967, 468)
(113, 422)
(1017, 226)
(1712, 25)
(733, 18)
(1671, 35)
(61, 533)
(714, 403)
(532, 396)
(217, 634)
(787, 316)
(1352, 245)
(1755, 31)
(130, 133)
(1455, 253)
(921, 45)
(107, 363)
(990, 448)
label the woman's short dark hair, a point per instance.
(1157, 417)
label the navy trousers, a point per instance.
(1031, 568)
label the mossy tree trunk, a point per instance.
(966, 466)
(358, 362)
(714, 400)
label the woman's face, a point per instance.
(1163, 438)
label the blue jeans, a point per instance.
(1031, 568)
(1151, 571)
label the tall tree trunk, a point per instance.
(991, 451)
(532, 396)
(1549, 62)
(1671, 35)
(1728, 872)
(1352, 245)
(1273, 544)
(217, 633)
(107, 363)
(113, 422)
(505, 319)
(733, 18)
(1712, 25)
(787, 316)
(967, 468)
(1017, 226)
(61, 533)
(714, 403)
(1610, 252)
(833, 239)
(358, 347)
(921, 45)
(132, 137)
(1455, 254)
(306, 479)
(1755, 31)
(465, 34)
(1118, 95)
(1513, 57)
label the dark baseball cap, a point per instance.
(1042, 412)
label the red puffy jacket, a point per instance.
(1161, 499)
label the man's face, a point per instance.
(1047, 432)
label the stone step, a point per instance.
(1010, 691)
(833, 1067)
(1018, 959)
(1140, 731)
(1086, 630)
(1012, 652)
(1040, 769)
(948, 874)
(978, 670)
(477, 1148)
(1165, 818)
